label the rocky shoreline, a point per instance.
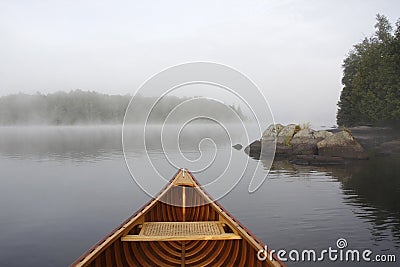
(305, 146)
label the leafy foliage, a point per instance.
(371, 79)
(297, 129)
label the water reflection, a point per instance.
(86, 143)
(372, 186)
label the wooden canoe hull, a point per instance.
(182, 203)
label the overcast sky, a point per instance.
(293, 50)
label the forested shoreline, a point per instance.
(84, 107)
(371, 79)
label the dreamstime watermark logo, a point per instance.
(341, 243)
(338, 253)
(201, 107)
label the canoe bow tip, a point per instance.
(183, 178)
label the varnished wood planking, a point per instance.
(197, 253)
(196, 208)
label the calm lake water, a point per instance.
(64, 188)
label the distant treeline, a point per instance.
(84, 107)
(371, 79)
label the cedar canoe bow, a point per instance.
(197, 231)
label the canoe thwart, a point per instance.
(176, 231)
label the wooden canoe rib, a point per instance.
(194, 230)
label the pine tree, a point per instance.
(371, 79)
